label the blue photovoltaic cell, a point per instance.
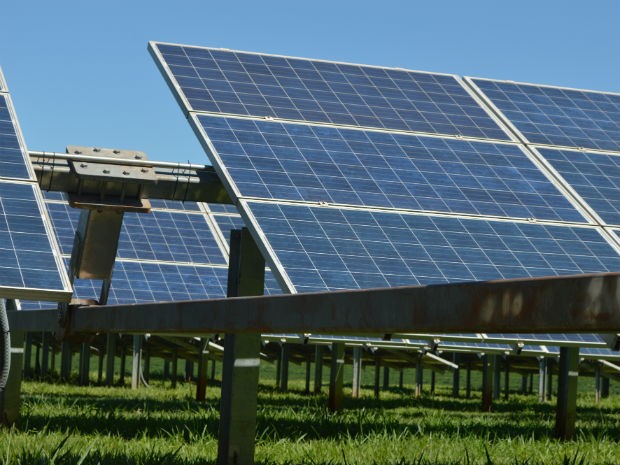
(174, 205)
(169, 236)
(173, 236)
(223, 208)
(555, 116)
(228, 222)
(595, 177)
(556, 339)
(287, 161)
(26, 257)
(324, 248)
(239, 83)
(134, 282)
(12, 159)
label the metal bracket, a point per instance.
(111, 172)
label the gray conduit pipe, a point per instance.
(5, 347)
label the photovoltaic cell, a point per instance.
(13, 163)
(165, 204)
(556, 116)
(552, 339)
(595, 177)
(174, 236)
(221, 81)
(324, 248)
(27, 260)
(276, 160)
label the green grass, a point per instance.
(65, 424)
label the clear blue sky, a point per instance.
(79, 72)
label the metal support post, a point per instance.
(386, 378)
(419, 378)
(336, 376)
(542, 380)
(52, 359)
(488, 370)
(189, 370)
(401, 378)
(136, 361)
(524, 379)
(28, 356)
(66, 357)
(284, 355)
(308, 368)
(100, 362)
(497, 377)
(605, 387)
(318, 368)
(279, 369)
(432, 382)
(45, 354)
(357, 372)
(456, 377)
(85, 364)
(241, 368)
(597, 384)
(468, 381)
(203, 360)
(10, 398)
(506, 379)
(567, 392)
(174, 372)
(549, 379)
(110, 352)
(121, 379)
(146, 364)
(377, 377)
(166, 371)
(212, 375)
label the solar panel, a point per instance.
(13, 162)
(322, 248)
(172, 236)
(240, 83)
(595, 176)
(557, 116)
(29, 260)
(276, 160)
(582, 340)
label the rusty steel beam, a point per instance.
(186, 182)
(582, 303)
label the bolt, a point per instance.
(83, 165)
(126, 173)
(106, 171)
(77, 152)
(116, 151)
(138, 157)
(96, 149)
(144, 170)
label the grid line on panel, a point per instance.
(241, 83)
(557, 116)
(327, 248)
(594, 176)
(289, 161)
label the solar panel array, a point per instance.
(29, 258)
(341, 204)
(546, 115)
(175, 252)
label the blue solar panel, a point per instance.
(324, 248)
(173, 236)
(347, 166)
(13, 161)
(134, 282)
(595, 177)
(223, 208)
(220, 81)
(551, 339)
(27, 258)
(174, 205)
(228, 222)
(556, 116)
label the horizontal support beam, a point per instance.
(195, 183)
(583, 303)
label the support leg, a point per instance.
(542, 380)
(456, 377)
(488, 370)
(110, 353)
(567, 392)
(85, 364)
(357, 372)
(336, 376)
(136, 361)
(284, 356)
(318, 369)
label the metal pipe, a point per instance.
(117, 161)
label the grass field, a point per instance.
(65, 424)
